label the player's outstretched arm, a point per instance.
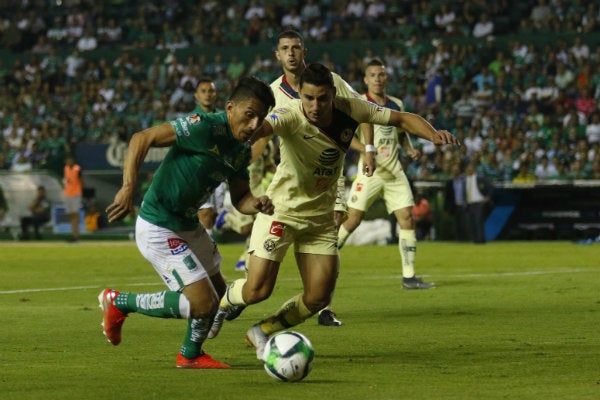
(418, 126)
(157, 136)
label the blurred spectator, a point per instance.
(524, 175)
(311, 11)
(541, 14)
(291, 20)
(236, 68)
(484, 27)
(444, 18)
(423, 217)
(478, 194)
(87, 41)
(255, 9)
(545, 169)
(355, 9)
(455, 202)
(21, 163)
(40, 214)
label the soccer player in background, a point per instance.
(206, 97)
(315, 132)
(205, 150)
(388, 180)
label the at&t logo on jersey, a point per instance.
(177, 245)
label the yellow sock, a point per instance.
(291, 313)
(233, 295)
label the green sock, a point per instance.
(163, 304)
(196, 335)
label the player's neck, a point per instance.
(293, 79)
(207, 109)
(379, 98)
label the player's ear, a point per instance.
(229, 106)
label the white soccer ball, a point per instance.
(288, 356)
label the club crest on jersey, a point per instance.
(177, 245)
(193, 119)
(277, 228)
(346, 135)
(269, 245)
(359, 187)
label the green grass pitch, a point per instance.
(516, 320)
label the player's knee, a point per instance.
(204, 310)
(316, 304)
(257, 295)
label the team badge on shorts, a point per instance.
(277, 228)
(270, 245)
(189, 262)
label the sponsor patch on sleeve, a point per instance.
(193, 119)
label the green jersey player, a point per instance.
(205, 151)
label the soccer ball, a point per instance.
(288, 356)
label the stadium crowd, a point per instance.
(522, 110)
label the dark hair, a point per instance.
(375, 62)
(317, 74)
(290, 34)
(251, 87)
(204, 79)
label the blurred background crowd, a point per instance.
(78, 71)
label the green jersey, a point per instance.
(204, 155)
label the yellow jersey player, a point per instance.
(388, 181)
(315, 132)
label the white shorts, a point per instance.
(365, 190)
(72, 204)
(180, 258)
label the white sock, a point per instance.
(408, 249)
(342, 236)
(184, 306)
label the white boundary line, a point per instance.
(382, 278)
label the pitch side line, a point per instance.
(523, 273)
